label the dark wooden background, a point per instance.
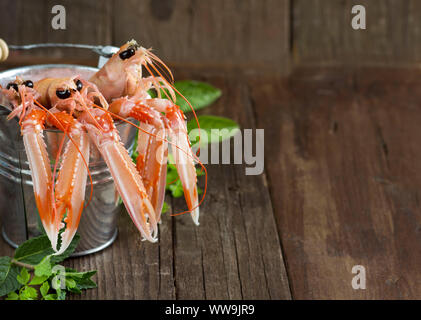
(341, 114)
(244, 35)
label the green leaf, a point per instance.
(199, 94)
(12, 296)
(28, 293)
(212, 129)
(200, 172)
(34, 250)
(85, 283)
(38, 280)
(44, 289)
(24, 276)
(70, 283)
(61, 295)
(44, 267)
(51, 296)
(75, 290)
(165, 207)
(9, 276)
(82, 279)
(5, 263)
(176, 189)
(134, 152)
(70, 273)
(172, 175)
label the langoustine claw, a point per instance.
(64, 202)
(71, 180)
(21, 101)
(126, 178)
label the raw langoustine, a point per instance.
(84, 111)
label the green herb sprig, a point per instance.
(34, 273)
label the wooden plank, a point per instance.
(28, 22)
(322, 33)
(236, 252)
(246, 35)
(344, 180)
(131, 268)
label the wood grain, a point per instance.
(26, 22)
(246, 35)
(344, 180)
(322, 33)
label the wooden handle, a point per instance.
(4, 50)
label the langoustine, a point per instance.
(80, 109)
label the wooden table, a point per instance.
(340, 188)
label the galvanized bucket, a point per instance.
(18, 211)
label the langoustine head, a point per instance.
(18, 96)
(122, 74)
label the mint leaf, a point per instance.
(165, 207)
(85, 283)
(44, 267)
(82, 279)
(71, 273)
(61, 295)
(23, 277)
(38, 280)
(200, 172)
(9, 276)
(28, 293)
(134, 152)
(51, 296)
(34, 250)
(12, 296)
(70, 283)
(212, 129)
(5, 263)
(176, 189)
(199, 94)
(44, 289)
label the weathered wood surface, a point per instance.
(322, 33)
(343, 166)
(247, 35)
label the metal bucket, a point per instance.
(18, 211)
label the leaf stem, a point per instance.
(25, 265)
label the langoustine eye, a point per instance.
(126, 54)
(28, 83)
(63, 94)
(12, 85)
(79, 85)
